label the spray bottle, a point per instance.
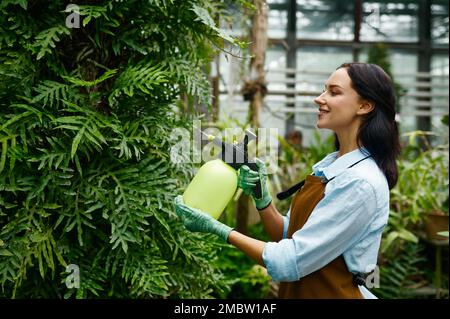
(216, 181)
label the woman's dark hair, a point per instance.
(378, 132)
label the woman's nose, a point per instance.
(319, 100)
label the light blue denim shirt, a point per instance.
(348, 221)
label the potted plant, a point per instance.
(430, 166)
(436, 224)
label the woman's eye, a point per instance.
(332, 93)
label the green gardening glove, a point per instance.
(247, 180)
(197, 221)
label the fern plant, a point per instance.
(402, 273)
(85, 172)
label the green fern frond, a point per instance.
(191, 77)
(22, 3)
(108, 74)
(142, 77)
(87, 125)
(399, 275)
(93, 12)
(46, 40)
(51, 92)
(204, 16)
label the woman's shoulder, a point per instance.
(368, 173)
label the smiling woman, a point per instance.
(341, 108)
(328, 242)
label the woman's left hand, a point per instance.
(197, 221)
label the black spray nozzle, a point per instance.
(236, 155)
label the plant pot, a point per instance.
(435, 222)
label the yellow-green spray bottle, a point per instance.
(216, 181)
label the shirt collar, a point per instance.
(331, 166)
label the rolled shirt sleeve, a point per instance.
(338, 221)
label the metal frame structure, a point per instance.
(424, 47)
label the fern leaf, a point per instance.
(108, 74)
(143, 77)
(205, 18)
(46, 40)
(22, 3)
(50, 92)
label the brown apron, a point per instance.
(333, 280)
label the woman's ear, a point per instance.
(365, 108)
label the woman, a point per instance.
(331, 235)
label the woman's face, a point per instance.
(339, 104)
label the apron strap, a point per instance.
(287, 193)
(290, 191)
(351, 166)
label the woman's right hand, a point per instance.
(247, 180)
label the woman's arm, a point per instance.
(273, 222)
(249, 246)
